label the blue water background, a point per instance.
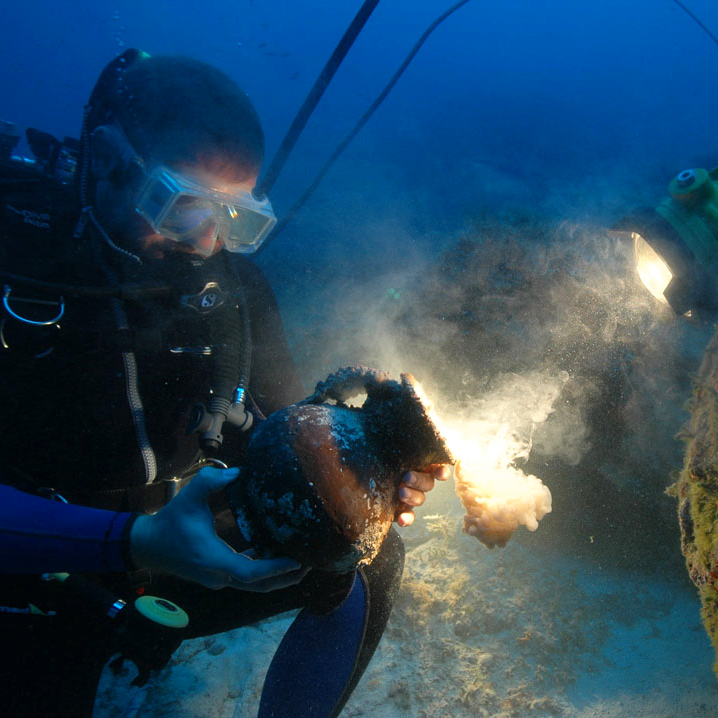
(579, 109)
(552, 93)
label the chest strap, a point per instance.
(143, 499)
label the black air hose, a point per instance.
(226, 326)
(230, 372)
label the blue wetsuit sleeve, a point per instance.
(38, 535)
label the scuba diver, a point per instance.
(140, 343)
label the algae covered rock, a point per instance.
(697, 491)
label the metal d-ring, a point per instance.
(211, 461)
(15, 315)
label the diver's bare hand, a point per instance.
(413, 488)
(180, 539)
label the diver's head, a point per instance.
(175, 150)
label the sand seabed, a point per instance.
(498, 634)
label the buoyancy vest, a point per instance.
(65, 417)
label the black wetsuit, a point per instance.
(67, 425)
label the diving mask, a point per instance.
(186, 211)
(189, 211)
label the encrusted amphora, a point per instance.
(320, 479)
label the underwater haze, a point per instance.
(463, 237)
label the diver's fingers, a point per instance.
(441, 472)
(240, 571)
(417, 480)
(249, 570)
(262, 575)
(206, 482)
(405, 518)
(412, 497)
(277, 582)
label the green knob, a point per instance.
(162, 611)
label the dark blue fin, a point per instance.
(313, 665)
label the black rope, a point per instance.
(362, 121)
(700, 24)
(315, 94)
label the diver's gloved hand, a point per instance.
(413, 488)
(180, 539)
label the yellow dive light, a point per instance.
(652, 270)
(676, 244)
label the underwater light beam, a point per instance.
(497, 495)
